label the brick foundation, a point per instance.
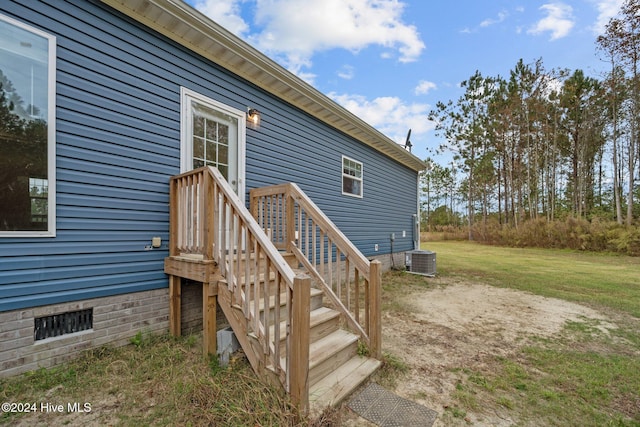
(115, 320)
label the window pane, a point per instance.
(347, 185)
(356, 188)
(211, 130)
(24, 92)
(223, 134)
(223, 154)
(198, 147)
(198, 126)
(211, 151)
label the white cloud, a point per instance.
(607, 9)
(299, 28)
(293, 30)
(390, 115)
(346, 72)
(559, 20)
(424, 87)
(225, 13)
(492, 21)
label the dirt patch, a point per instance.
(465, 325)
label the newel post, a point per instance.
(375, 309)
(290, 218)
(298, 360)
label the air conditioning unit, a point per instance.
(421, 262)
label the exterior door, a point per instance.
(213, 134)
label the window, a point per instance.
(351, 177)
(27, 130)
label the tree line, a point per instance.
(543, 145)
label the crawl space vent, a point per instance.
(57, 325)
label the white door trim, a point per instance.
(186, 146)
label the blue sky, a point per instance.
(391, 61)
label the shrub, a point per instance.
(569, 233)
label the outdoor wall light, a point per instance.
(253, 118)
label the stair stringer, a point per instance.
(245, 336)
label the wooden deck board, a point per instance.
(339, 384)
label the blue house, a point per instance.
(131, 158)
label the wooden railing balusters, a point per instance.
(304, 230)
(209, 222)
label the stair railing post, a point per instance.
(298, 360)
(375, 309)
(290, 218)
(207, 202)
(173, 217)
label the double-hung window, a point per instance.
(27, 130)
(351, 177)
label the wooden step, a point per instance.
(323, 321)
(339, 384)
(329, 352)
(291, 259)
(316, 302)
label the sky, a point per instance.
(390, 61)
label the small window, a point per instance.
(351, 177)
(27, 130)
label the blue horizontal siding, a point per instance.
(118, 143)
(92, 183)
(62, 296)
(49, 261)
(78, 247)
(25, 282)
(68, 283)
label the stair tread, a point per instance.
(339, 384)
(329, 345)
(318, 316)
(323, 314)
(283, 300)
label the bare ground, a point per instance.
(464, 325)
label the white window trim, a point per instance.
(51, 134)
(361, 179)
(186, 148)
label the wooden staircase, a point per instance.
(302, 301)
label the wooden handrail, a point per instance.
(295, 223)
(208, 220)
(341, 241)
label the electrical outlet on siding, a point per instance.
(376, 247)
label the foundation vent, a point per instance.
(57, 325)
